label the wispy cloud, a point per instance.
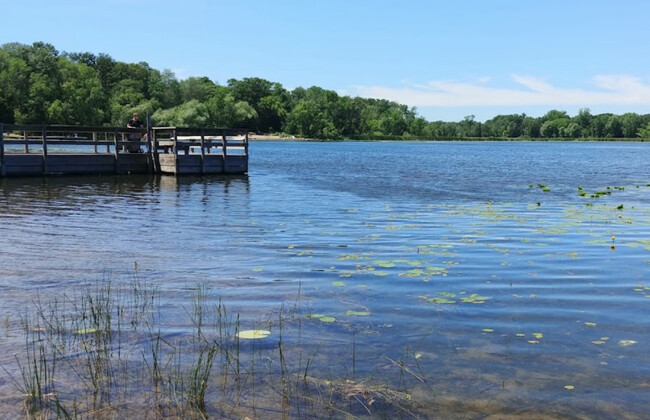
(528, 91)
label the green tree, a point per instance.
(584, 119)
(531, 127)
(270, 101)
(200, 88)
(226, 111)
(468, 127)
(572, 130)
(631, 123)
(164, 88)
(81, 99)
(192, 113)
(644, 132)
(14, 84)
(614, 127)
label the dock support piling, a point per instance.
(44, 134)
(202, 151)
(224, 146)
(3, 171)
(116, 150)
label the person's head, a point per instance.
(135, 116)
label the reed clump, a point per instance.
(105, 351)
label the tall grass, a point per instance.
(105, 352)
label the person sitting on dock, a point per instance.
(134, 123)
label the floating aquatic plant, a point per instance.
(440, 300)
(357, 313)
(322, 318)
(253, 334)
(475, 298)
(83, 331)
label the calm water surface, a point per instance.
(481, 261)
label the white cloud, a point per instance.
(529, 91)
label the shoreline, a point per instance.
(265, 137)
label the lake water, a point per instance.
(478, 278)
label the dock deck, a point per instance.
(60, 150)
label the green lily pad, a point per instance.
(253, 334)
(441, 301)
(322, 317)
(358, 313)
(338, 284)
(474, 298)
(86, 331)
(384, 263)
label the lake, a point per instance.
(408, 279)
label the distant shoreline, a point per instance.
(272, 138)
(265, 137)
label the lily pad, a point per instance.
(358, 313)
(253, 334)
(322, 317)
(384, 263)
(474, 298)
(440, 300)
(86, 331)
(338, 284)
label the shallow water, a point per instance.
(480, 261)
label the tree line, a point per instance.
(40, 85)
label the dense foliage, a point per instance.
(40, 85)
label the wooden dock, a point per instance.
(61, 150)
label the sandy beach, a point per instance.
(274, 138)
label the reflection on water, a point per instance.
(510, 292)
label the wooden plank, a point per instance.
(81, 169)
(23, 164)
(80, 160)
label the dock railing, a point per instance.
(46, 149)
(18, 138)
(199, 149)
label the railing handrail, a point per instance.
(69, 128)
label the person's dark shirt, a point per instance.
(135, 123)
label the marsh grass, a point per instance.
(102, 352)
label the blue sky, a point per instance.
(448, 58)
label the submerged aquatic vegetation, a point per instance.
(105, 351)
